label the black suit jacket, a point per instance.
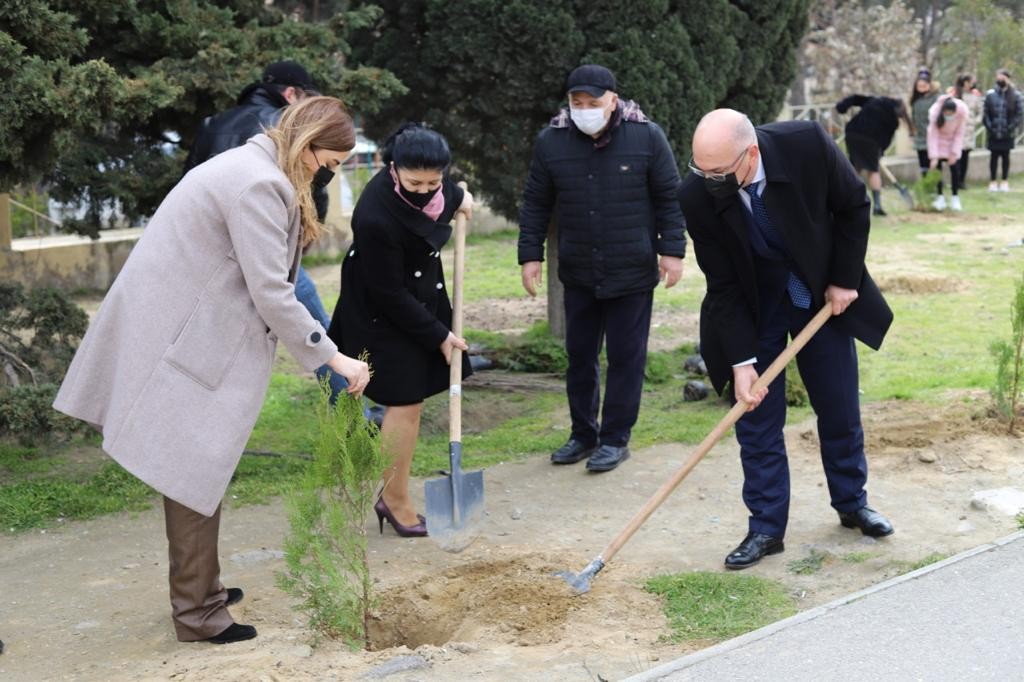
(820, 207)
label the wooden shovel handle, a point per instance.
(455, 371)
(716, 433)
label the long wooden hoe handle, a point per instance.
(716, 434)
(455, 372)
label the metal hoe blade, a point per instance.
(580, 582)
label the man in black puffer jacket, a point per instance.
(612, 175)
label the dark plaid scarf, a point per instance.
(627, 110)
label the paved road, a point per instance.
(960, 620)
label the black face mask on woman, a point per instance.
(323, 175)
(418, 199)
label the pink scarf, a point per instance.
(433, 209)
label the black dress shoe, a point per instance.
(607, 457)
(571, 452)
(750, 551)
(868, 520)
(235, 595)
(234, 633)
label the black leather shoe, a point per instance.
(571, 452)
(750, 551)
(868, 520)
(234, 633)
(607, 457)
(235, 595)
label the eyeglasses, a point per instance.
(716, 177)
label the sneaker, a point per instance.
(940, 203)
(1004, 186)
(879, 212)
(993, 186)
(954, 204)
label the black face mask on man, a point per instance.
(722, 188)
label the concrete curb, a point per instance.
(660, 672)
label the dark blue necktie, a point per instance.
(798, 291)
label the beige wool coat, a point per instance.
(176, 364)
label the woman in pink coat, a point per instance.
(946, 121)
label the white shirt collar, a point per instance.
(759, 177)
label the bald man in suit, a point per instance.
(779, 221)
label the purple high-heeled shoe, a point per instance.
(417, 531)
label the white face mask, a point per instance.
(589, 121)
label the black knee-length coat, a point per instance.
(394, 301)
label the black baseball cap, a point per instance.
(592, 79)
(287, 73)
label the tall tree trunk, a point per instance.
(556, 293)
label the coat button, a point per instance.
(590, 176)
(440, 286)
(417, 274)
(315, 337)
(352, 252)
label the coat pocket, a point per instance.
(208, 344)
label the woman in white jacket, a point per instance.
(175, 366)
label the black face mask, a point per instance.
(722, 189)
(322, 177)
(418, 199)
(1001, 83)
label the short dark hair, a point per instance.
(414, 145)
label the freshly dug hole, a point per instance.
(517, 601)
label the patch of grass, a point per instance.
(940, 340)
(857, 557)
(257, 480)
(312, 260)
(910, 566)
(39, 503)
(287, 422)
(810, 564)
(21, 461)
(715, 606)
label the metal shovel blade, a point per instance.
(455, 505)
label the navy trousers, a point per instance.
(624, 323)
(828, 366)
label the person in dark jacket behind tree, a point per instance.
(869, 133)
(613, 177)
(259, 107)
(393, 302)
(1004, 111)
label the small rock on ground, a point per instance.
(399, 664)
(1008, 501)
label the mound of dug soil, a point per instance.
(519, 600)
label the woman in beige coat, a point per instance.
(175, 366)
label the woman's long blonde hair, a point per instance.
(313, 123)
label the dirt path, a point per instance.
(88, 601)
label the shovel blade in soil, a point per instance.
(455, 509)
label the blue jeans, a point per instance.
(306, 292)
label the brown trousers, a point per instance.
(197, 595)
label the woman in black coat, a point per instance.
(394, 303)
